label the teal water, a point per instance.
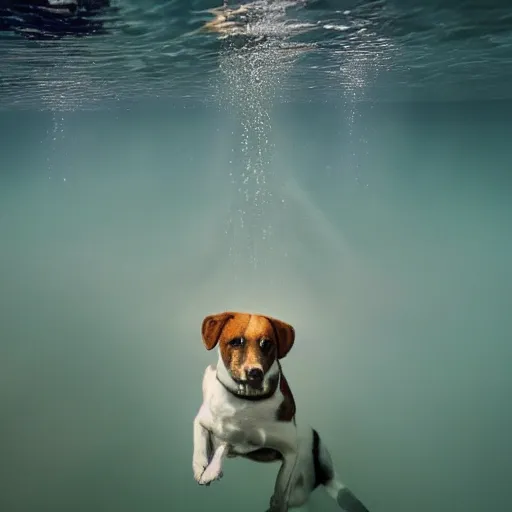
(372, 213)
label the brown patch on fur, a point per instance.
(286, 411)
(212, 328)
(222, 328)
(285, 335)
(252, 329)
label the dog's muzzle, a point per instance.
(255, 378)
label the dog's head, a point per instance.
(249, 344)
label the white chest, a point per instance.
(229, 416)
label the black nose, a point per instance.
(255, 374)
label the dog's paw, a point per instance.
(210, 474)
(198, 466)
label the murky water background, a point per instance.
(379, 229)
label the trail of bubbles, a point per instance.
(55, 144)
(364, 55)
(253, 70)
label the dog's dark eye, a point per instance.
(265, 344)
(236, 342)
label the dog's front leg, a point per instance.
(202, 443)
(214, 469)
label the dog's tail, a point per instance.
(325, 474)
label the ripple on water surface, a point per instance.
(92, 53)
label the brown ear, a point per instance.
(212, 328)
(285, 336)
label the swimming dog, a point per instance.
(248, 410)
